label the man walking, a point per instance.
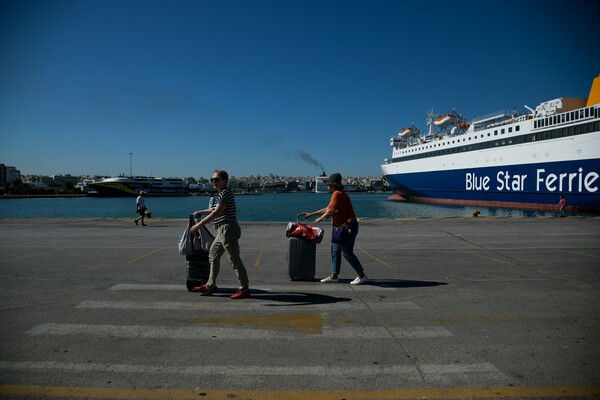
(140, 208)
(224, 216)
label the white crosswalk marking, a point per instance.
(308, 287)
(229, 306)
(312, 370)
(368, 317)
(202, 332)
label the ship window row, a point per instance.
(531, 137)
(505, 130)
(517, 128)
(570, 116)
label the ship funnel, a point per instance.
(594, 97)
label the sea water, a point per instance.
(279, 207)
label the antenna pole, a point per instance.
(130, 164)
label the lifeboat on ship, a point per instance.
(445, 120)
(407, 131)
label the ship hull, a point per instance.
(525, 186)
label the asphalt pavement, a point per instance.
(454, 308)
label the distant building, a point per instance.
(275, 187)
(38, 181)
(60, 179)
(8, 174)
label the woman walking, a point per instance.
(341, 212)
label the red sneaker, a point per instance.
(204, 290)
(241, 294)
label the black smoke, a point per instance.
(303, 155)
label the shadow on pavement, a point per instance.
(298, 299)
(400, 283)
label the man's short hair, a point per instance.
(222, 174)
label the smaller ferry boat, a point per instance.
(122, 186)
(84, 185)
(320, 185)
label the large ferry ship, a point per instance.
(505, 159)
(122, 186)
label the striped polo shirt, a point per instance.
(228, 200)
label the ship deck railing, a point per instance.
(494, 116)
(567, 117)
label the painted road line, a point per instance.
(457, 368)
(563, 392)
(45, 253)
(579, 253)
(508, 279)
(145, 255)
(147, 286)
(201, 370)
(307, 323)
(219, 333)
(379, 260)
(258, 258)
(308, 287)
(473, 253)
(254, 305)
(444, 375)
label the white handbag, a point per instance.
(201, 241)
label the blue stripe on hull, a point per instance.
(533, 184)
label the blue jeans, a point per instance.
(346, 248)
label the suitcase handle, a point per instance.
(298, 217)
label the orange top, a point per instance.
(341, 206)
(594, 97)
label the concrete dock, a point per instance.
(455, 308)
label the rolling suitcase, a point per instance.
(197, 272)
(197, 269)
(302, 249)
(196, 256)
(302, 255)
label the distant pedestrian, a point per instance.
(140, 208)
(562, 203)
(224, 217)
(341, 212)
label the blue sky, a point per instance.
(251, 86)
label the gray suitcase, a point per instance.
(302, 256)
